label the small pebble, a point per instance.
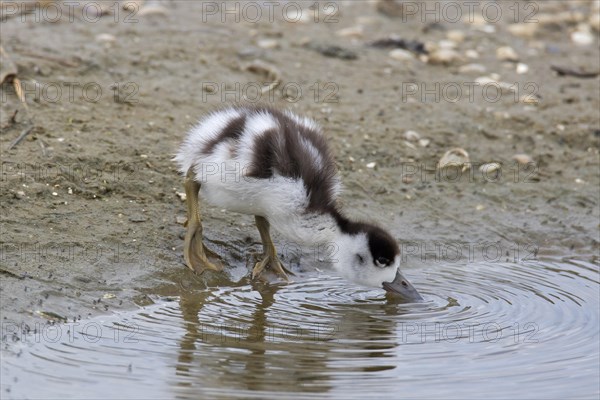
(484, 80)
(525, 30)
(472, 54)
(477, 20)
(443, 57)
(181, 219)
(371, 165)
(106, 38)
(132, 5)
(595, 21)
(447, 44)
(582, 37)
(54, 194)
(401, 54)
(268, 44)
(488, 168)
(522, 159)
(353, 31)
(137, 218)
(456, 35)
(182, 196)
(153, 9)
(467, 68)
(506, 53)
(522, 68)
(424, 142)
(529, 99)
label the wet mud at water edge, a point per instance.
(94, 293)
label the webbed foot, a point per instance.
(272, 263)
(195, 252)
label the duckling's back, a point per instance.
(262, 161)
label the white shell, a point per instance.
(582, 38)
(456, 157)
(412, 136)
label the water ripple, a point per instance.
(529, 328)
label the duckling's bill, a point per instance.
(402, 288)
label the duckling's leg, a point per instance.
(269, 257)
(194, 251)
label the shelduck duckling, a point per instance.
(278, 167)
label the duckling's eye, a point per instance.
(382, 262)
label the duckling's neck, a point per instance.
(344, 225)
(313, 228)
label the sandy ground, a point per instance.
(91, 219)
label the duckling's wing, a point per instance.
(263, 142)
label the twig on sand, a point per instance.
(61, 61)
(578, 73)
(43, 147)
(22, 136)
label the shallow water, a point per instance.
(497, 330)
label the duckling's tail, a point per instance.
(197, 144)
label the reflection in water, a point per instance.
(281, 353)
(259, 357)
(521, 327)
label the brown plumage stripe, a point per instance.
(281, 151)
(232, 131)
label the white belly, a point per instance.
(246, 195)
(281, 200)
